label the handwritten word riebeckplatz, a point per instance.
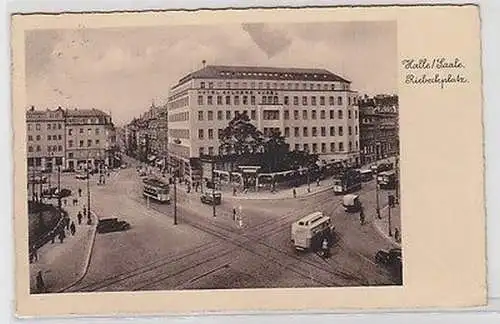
(436, 79)
(430, 64)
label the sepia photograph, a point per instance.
(252, 155)
(247, 159)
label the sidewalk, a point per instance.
(64, 264)
(382, 225)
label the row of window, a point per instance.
(274, 85)
(179, 133)
(275, 114)
(49, 137)
(81, 142)
(182, 116)
(50, 148)
(315, 131)
(314, 147)
(81, 131)
(49, 126)
(273, 100)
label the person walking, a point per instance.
(79, 217)
(84, 211)
(72, 228)
(62, 236)
(361, 215)
(66, 222)
(234, 214)
(40, 284)
(79, 192)
(324, 248)
(294, 191)
(397, 235)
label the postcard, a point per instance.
(242, 160)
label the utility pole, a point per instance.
(377, 195)
(390, 199)
(59, 187)
(213, 188)
(397, 178)
(88, 188)
(175, 196)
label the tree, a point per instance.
(275, 150)
(241, 137)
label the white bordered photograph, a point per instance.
(224, 156)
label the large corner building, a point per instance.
(314, 109)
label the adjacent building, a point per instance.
(314, 109)
(379, 127)
(69, 138)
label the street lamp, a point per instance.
(175, 192)
(377, 195)
(213, 188)
(88, 188)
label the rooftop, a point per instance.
(262, 73)
(85, 112)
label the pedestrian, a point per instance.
(52, 237)
(84, 211)
(62, 236)
(65, 201)
(66, 222)
(234, 214)
(35, 252)
(361, 215)
(72, 228)
(234, 191)
(79, 216)
(317, 181)
(294, 193)
(324, 248)
(397, 235)
(89, 220)
(40, 285)
(79, 192)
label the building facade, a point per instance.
(379, 127)
(314, 109)
(68, 138)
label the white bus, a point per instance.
(308, 232)
(157, 190)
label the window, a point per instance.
(219, 115)
(70, 143)
(296, 132)
(89, 142)
(236, 100)
(340, 114)
(202, 85)
(81, 143)
(228, 114)
(253, 114)
(356, 130)
(296, 100)
(38, 137)
(295, 114)
(49, 137)
(304, 114)
(210, 150)
(89, 131)
(37, 126)
(287, 131)
(349, 114)
(341, 131)
(252, 85)
(200, 100)
(355, 114)
(349, 130)
(210, 115)
(210, 100)
(38, 148)
(323, 147)
(97, 131)
(315, 147)
(350, 146)
(81, 130)
(285, 100)
(59, 126)
(304, 101)
(331, 101)
(313, 114)
(339, 102)
(323, 131)
(30, 137)
(297, 147)
(210, 133)
(49, 148)
(268, 85)
(219, 100)
(314, 131)
(322, 100)
(332, 114)
(200, 134)
(59, 148)
(305, 132)
(70, 131)
(306, 147)
(228, 100)
(332, 147)
(313, 101)
(332, 130)
(210, 85)
(236, 85)
(252, 100)
(286, 114)
(30, 149)
(70, 155)
(349, 102)
(228, 85)
(219, 133)
(200, 115)
(341, 146)
(245, 100)
(48, 126)
(201, 151)
(323, 114)
(29, 127)
(275, 100)
(357, 145)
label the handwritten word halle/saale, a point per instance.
(429, 64)
(436, 79)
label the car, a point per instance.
(392, 257)
(108, 225)
(82, 176)
(210, 198)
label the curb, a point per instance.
(282, 198)
(89, 256)
(383, 233)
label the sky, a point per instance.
(124, 70)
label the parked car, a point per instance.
(82, 176)
(108, 225)
(210, 198)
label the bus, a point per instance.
(347, 182)
(156, 190)
(387, 180)
(308, 232)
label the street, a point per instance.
(203, 252)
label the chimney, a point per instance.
(204, 62)
(32, 108)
